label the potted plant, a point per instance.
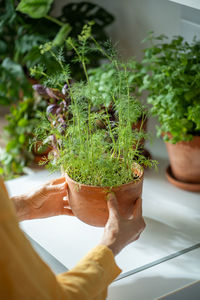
(95, 159)
(174, 93)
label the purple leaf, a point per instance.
(58, 110)
(51, 94)
(61, 120)
(40, 89)
(64, 89)
(51, 109)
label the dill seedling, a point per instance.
(91, 145)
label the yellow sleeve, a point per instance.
(91, 276)
(23, 275)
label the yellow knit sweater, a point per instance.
(24, 276)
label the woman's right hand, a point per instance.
(119, 232)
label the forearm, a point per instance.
(21, 207)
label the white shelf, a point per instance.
(189, 3)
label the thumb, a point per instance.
(112, 205)
(137, 209)
(57, 181)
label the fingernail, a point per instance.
(110, 196)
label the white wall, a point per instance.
(134, 18)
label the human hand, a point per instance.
(45, 201)
(119, 232)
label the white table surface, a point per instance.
(157, 281)
(173, 224)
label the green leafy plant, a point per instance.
(35, 9)
(104, 78)
(71, 21)
(88, 152)
(21, 123)
(174, 87)
(21, 36)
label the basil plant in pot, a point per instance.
(96, 154)
(174, 93)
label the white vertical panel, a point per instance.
(189, 3)
(189, 30)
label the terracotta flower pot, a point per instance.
(139, 125)
(40, 149)
(89, 204)
(185, 160)
(38, 159)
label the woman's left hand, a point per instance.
(45, 201)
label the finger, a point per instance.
(58, 189)
(112, 205)
(67, 211)
(58, 181)
(66, 202)
(137, 209)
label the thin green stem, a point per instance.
(100, 49)
(138, 140)
(110, 130)
(85, 70)
(54, 20)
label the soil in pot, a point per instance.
(89, 204)
(185, 160)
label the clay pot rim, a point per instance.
(109, 187)
(195, 137)
(191, 187)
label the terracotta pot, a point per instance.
(191, 187)
(40, 149)
(89, 204)
(138, 125)
(185, 160)
(40, 158)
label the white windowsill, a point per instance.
(189, 3)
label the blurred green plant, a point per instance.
(22, 120)
(104, 79)
(173, 80)
(21, 36)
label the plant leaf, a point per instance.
(62, 35)
(36, 9)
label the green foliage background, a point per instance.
(173, 81)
